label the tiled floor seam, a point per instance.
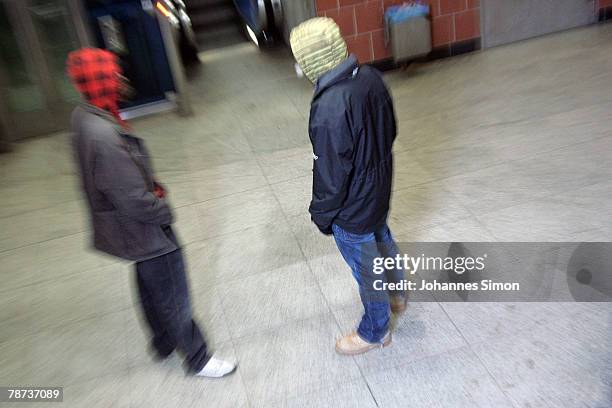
(529, 156)
(233, 340)
(328, 305)
(303, 254)
(131, 367)
(287, 180)
(59, 204)
(257, 274)
(404, 363)
(215, 237)
(284, 325)
(476, 217)
(237, 372)
(70, 323)
(294, 104)
(218, 197)
(270, 185)
(469, 346)
(322, 387)
(56, 278)
(428, 226)
(495, 381)
(329, 308)
(524, 120)
(223, 234)
(233, 343)
(4, 251)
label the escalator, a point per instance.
(216, 23)
(263, 20)
(220, 23)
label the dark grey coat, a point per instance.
(128, 219)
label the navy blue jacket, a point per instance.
(352, 128)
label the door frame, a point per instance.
(22, 125)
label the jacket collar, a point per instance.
(88, 107)
(346, 69)
(97, 111)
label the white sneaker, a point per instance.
(216, 368)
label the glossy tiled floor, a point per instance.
(513, 144)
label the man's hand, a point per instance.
(324, 230)
(119, 177)
(159, 190)
(327, 231)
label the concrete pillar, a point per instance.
(296, 12)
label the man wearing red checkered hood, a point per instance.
(130, 213)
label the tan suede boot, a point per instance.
(398, 304)
(352, 344)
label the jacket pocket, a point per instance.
(372, 180)
(350, 237)
(142, 239)
(108, 235)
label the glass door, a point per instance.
(35, 39)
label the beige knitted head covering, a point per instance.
(318, 46)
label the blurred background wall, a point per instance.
(455, 25)
(296, 12)
(460, 26)
(509, 21)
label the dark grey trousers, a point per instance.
(164, 294)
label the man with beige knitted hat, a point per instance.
(352, 128)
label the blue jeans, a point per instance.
(358, 250)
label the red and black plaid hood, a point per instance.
(96, 75)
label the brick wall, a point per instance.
(603, 4)
(604, 10)
(361, 23)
